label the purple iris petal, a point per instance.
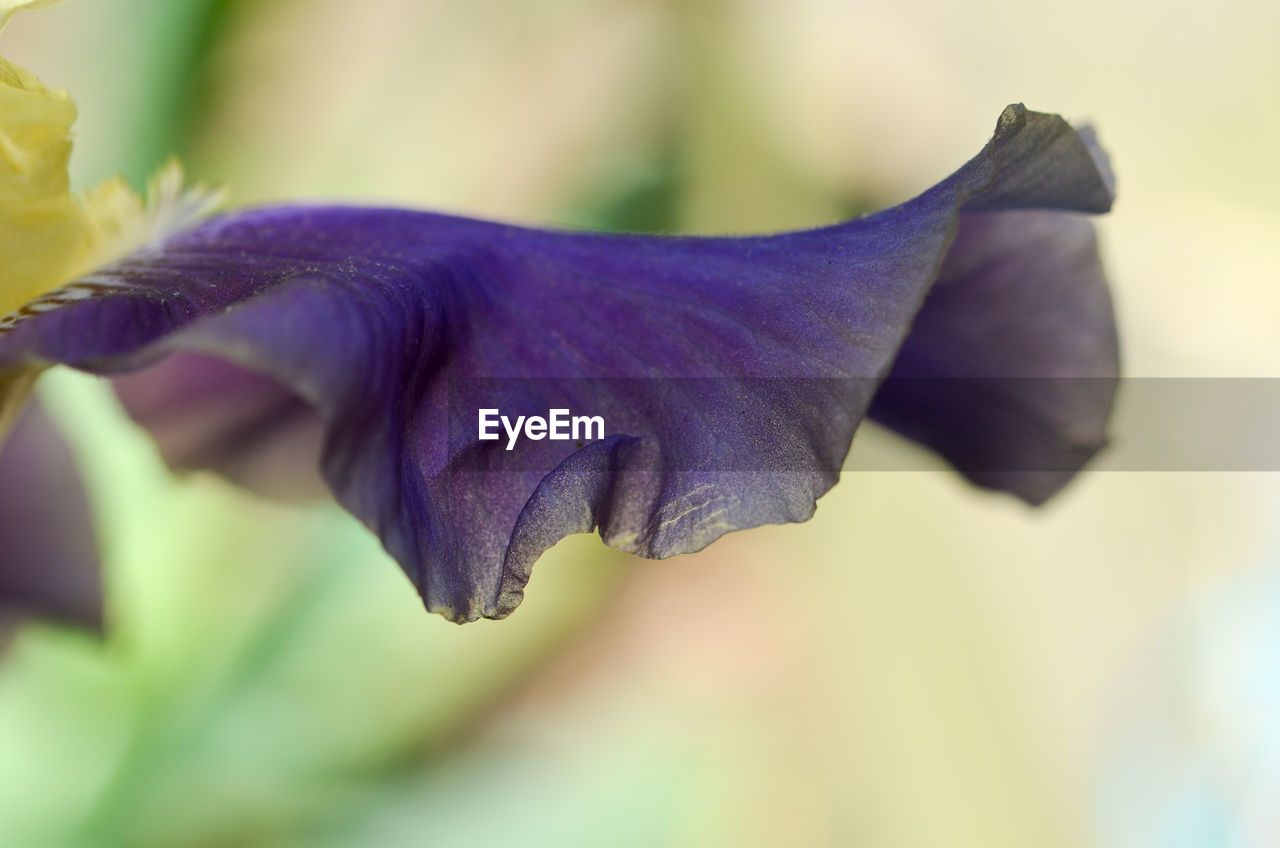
(731, 372)
(208, 414)
(49, 561)
(1025, 413)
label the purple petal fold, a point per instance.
(1012, 364)
(49, 561)
(208, 414)
(731, 372)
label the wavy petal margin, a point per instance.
(731, 372)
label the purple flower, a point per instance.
(730, 373)
(49, 565)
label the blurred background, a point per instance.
(923, 664)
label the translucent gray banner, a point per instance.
(786, 424)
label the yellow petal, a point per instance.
(48, 235)
(41, 223)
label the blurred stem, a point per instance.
(171, 723)
(216, 17)
(163, 722)
(139, 120)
